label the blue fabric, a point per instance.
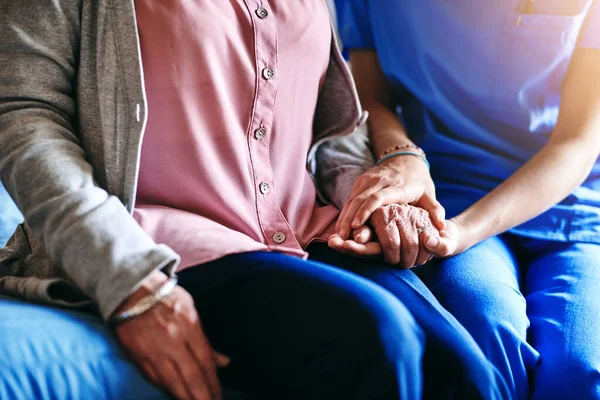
(295, 329)
(302, 329)
(478, 87)
(49, 354)
(10, 216)
(532, 306)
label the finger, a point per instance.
(389, 237)
(373, 202)
(369, 250)
(221, 360)
(204, 354)
(362, 235)
(335, 241)
(424, 256)
(337, 244)
(358, 187)
(150, 371)
(193, 378)
(349, 211)
(409, 245)
(437, 213)
(171, 380)
(440, 246)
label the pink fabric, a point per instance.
(201, 165)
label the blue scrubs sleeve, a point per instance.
(590, 34)
(354, 20)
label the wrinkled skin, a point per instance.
(396, 227)
(168, 344)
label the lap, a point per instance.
(548, 296)
(561, 287)
(310, 303)
(484, 281)
(480, 287)
(51, 353)
(287, 321)
(491, 260)
(451, 354)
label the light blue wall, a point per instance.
(9, 216)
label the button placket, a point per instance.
(274, 226)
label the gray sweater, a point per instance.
(72, 115)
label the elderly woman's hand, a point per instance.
(169, 346)
(400, 232)
(398, 180)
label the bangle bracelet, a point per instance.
(146, 303)
(401, 147)
(404, 153)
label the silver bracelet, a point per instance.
(146, 303)
(405, 153)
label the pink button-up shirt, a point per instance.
(232, 89)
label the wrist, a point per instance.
(404, 161)
(400, 147)
(149, 285)
(146, 303)
(466, 233)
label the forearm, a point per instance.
(81, 228)
(375, 94)
(549, 177)
(385, 128)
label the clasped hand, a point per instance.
(396, 202)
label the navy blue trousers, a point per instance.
(335, 327)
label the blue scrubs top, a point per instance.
(478, 85)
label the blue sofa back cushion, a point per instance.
(10, 216)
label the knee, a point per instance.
(572, 378)
(484, 305)
(495, 316)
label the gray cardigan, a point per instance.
(72, 116)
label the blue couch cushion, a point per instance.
(51, 353)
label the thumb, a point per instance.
(437, 213)
(441, 246)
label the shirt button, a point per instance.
(264, 188)
(260, 133)
(262, 13)
(279, 237)
(268, 73)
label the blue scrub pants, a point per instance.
(533, 306)
(294, 329)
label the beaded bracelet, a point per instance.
(404, 153)
(401, 147)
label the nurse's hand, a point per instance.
(399, 236)
(361, 246)
(403, 179)
(450, 242)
